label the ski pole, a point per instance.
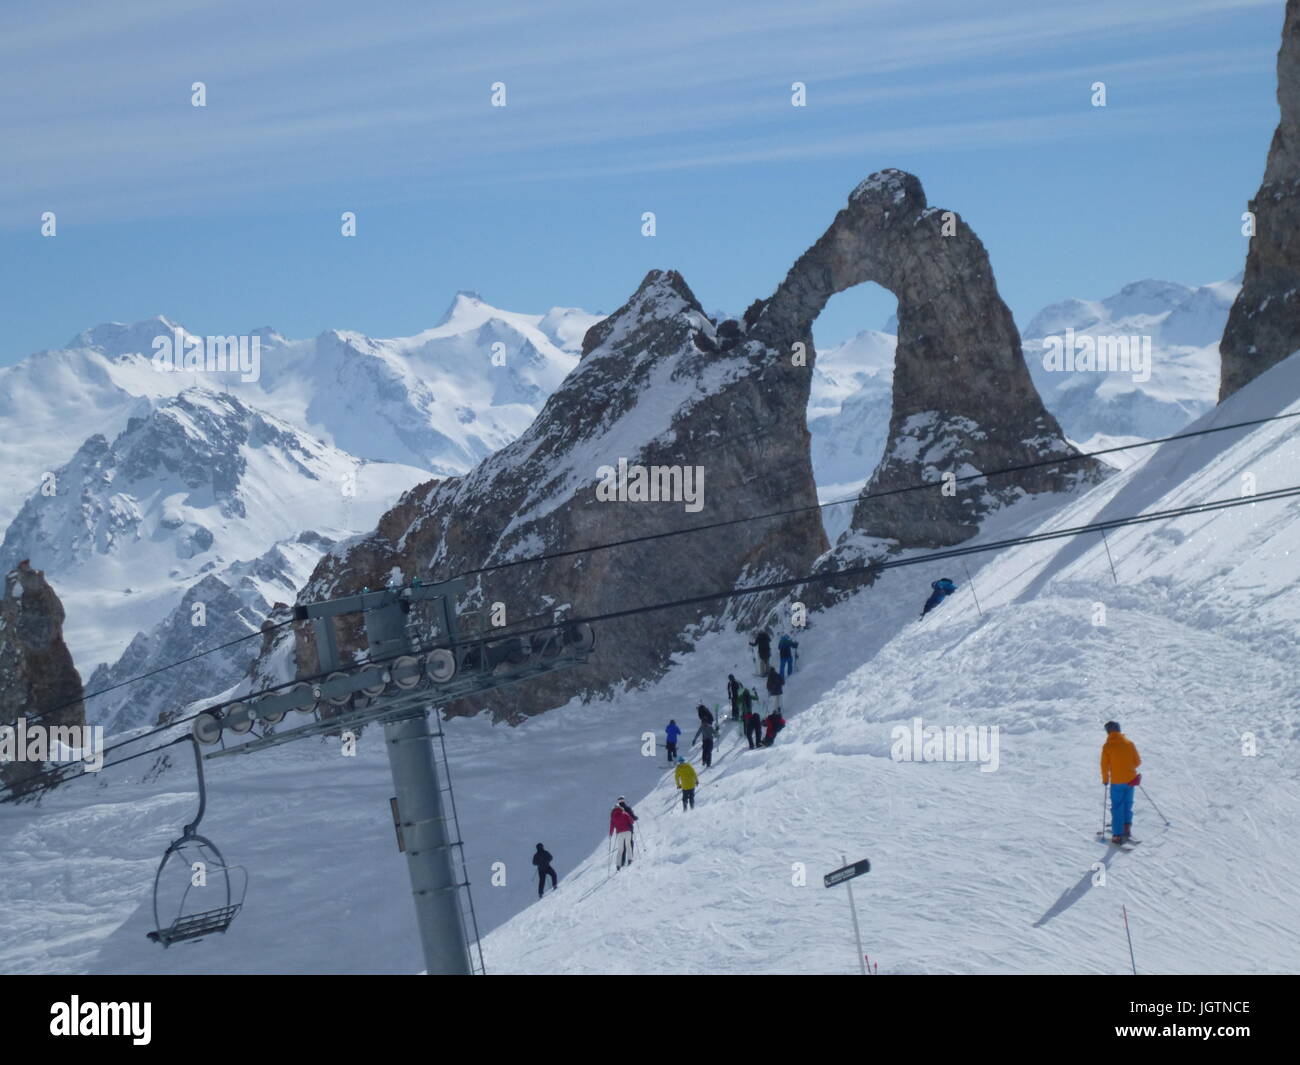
(1103, 809)
(1132, 960)
(1152, 801)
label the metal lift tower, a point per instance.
(396, 686)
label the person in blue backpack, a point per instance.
(943, 588)
(670, 735)
(787, 648)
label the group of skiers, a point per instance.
(743, 701)
(1119, 755)
(1119, 773)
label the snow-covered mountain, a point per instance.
(168, 476)
(439, 400)
(222, 607)
(1179, 325)
(199, 481)
(1193, 648)
(848, 418)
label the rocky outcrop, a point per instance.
(36, 671)
(963, 401)
(662, 385)
(654, 388)
(1264, 324)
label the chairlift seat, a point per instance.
(196, 925)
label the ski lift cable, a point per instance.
(784, 584)
(1054, 461)
(266, 628)
(160, 669)
(43, 781)
(934, 556)
(569, 552)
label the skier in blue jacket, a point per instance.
(670, 734)
(787, 648)
(943, 588)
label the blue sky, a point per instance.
(226, 217)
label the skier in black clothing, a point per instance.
(763, 641)
(542, 859)
(705, 731)
(733, 695)
(752, 728)
(775, 686)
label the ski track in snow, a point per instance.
(972, 872)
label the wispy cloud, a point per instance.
(313, 96)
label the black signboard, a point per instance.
(847, 873)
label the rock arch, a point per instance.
(963, 399)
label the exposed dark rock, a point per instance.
(36, 671)
(1264, 324)
(647, 393)
(963, 401)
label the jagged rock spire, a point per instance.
(1264, 323)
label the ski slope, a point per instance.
(972, 872)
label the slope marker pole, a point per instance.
(857, 934)
(1108, 558)
(970, 581)
(1132, 960)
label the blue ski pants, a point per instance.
(1121, 808)
(787, 664)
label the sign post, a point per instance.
(841, 876)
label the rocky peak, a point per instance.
(963, 400)
(662, 294)
(1264, 323)
(36, 670)
(464, 300)
(116, 338)
(646, 392)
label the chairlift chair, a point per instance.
(193, 925)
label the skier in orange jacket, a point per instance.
(1119, 769)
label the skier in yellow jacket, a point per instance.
(686, 780)
(1119, 769)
